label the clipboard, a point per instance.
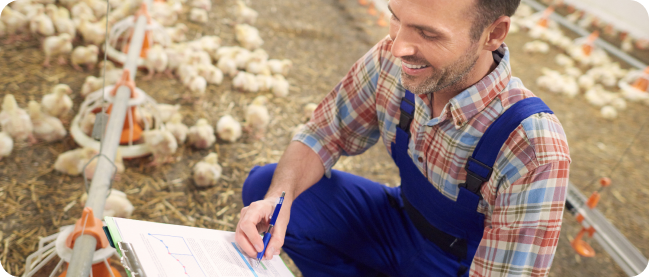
(128, 257)
(150, 248)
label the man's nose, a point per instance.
(402, 46)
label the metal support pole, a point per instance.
(599, 42)
(84, 246)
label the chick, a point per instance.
(90, 85)
(14, 22)
(186, 73)
(117, 204)
(177, 128)
(228, 66)
(84, 55)
(280, 66)
(244, 14)
(41, 24)
(564, 60)
(210, 44)
(586, 82)
(46, 127)
(257, 117)
(244, 81)
(198, 15)
(248, 36)
(201, 135)
(212, 74)
(162, 144)
(15, 121)
(208, 171)
(167, 111)
(618, 104)
(92, 32)
(280, 86)
(608, 112)
(57, 45)
(6, 145)
(309, 109)
(58, 103)
(536, 46)
(155, 61)
(177, 33)
(265, 82)
(62, 21)
(228, 128)
(72, 162)
(258, 62)
(88, 123)
(197, 86)
(81, 11)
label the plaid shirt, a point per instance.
(523, 200)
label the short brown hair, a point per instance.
(487, 11)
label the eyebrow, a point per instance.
(421, 27)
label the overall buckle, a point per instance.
(474, 181)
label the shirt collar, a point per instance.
(474, 99)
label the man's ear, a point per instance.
(497, 32)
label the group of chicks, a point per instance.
(601, 73)
(41, 121)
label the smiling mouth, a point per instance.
(413, 66)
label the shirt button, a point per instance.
(420, 159)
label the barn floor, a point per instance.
(323, 39)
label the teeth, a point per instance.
(412, 66)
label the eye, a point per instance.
(426, 37)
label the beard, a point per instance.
(452, 75)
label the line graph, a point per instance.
(177, 250)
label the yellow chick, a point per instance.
(73, 161)
(280, 66)
(15, 121)
(91, 84)
(248, 36)
(280, 86)
(212, 74)
(61, 19)
(245, 81)
(84, 55)
(244, 14)
(198, 15)
(117, 204)
(14, 22)
(167, 111)
(57, 103)
(93, 33)
(88, 123)
(6, 145)
(156, 61)
(201, 135)
(208, 171)
(41, 24)
(228, 128)
(257, 117)
(46, 127)
(309, 109)
(177, 128)
(60, 45)
(163, 145)
(177, 33)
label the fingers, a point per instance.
(247, 235)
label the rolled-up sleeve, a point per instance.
(525, 224)
(345, 122)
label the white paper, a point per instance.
(166, 250)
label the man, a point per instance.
(431, 91)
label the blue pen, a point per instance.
(267, 235)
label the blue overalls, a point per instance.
(347, 225)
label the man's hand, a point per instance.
(256, 219)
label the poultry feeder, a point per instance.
(142, 115)
(62, 243)
(585, 51)
(634, 85)
(122, 32)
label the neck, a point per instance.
(483, 66)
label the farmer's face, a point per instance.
(432, 39)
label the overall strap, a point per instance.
(480, 165)
(407, 108)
